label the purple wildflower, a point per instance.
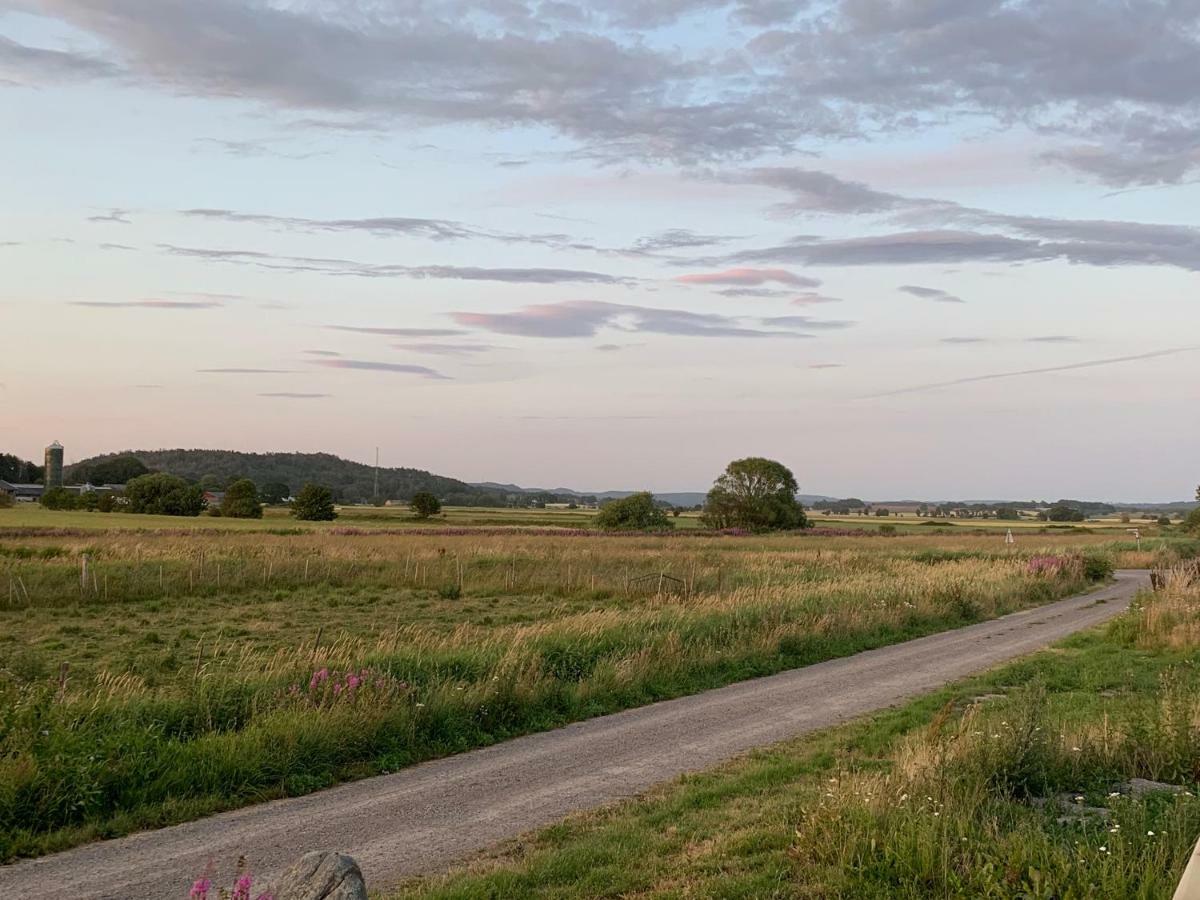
(200, 889)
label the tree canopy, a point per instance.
(275, 492)
(314, 503)
(114, 470)
(755, 494)
(637, 512)
(164, 495)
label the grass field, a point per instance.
(153, 675)
(1012, 784)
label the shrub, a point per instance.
(425, 504)
(1097, 567)
(314, 503)
(58, 498)
(6, 500)
(1192, 522)
(636, 512)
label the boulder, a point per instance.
(321, 875)
(1140, 787)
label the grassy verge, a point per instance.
(1012, 784)
(122, 710)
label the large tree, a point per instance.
(115, 470)
(755, 494)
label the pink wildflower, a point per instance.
(200, 889)
(241, 887)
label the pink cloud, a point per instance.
(749, 277)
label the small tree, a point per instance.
(1064, 513)
(314, 503)
(1192, 522)
(241, 501)
(756, 494)
(425, 504)
(636, 512)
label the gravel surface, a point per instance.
(431, 815)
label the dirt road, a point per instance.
(428, 816)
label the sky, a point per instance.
(910, 248)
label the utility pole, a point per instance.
(376, 474)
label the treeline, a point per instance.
(15, 470)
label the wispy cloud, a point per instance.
(245, 371)
(293, 395)
(827, 366)
(928, 293)
(116, 216)
(352, 268)
(371, 366)
(1088, 364)
(747, 277)
(806, 322)
(436, 349)
(585, 318)
(965, 340)
(148, 304)
(1053, 339)
(398, 332)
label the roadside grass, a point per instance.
(1014, 783)
(219, 671)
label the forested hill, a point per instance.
(350, 481)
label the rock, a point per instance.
(321, 875)
(1140, 787)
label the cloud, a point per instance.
(752, 78)
(369, 366)
(810, 298)
(351, 268)
(398, 332)
(805, 322)
(245, 371)
(1053, 339)
(446, 349)
(609, 348)
(36, 66)
(965, 340)
(928, 293)
(748, 278)
(827, 366)
(1025, 372)
(817, 192)
(293, 395)
(433, 229)
(585, 318)
(322, 353)
(118, 216)
(902, 248)
(149, 304)
(678, 239)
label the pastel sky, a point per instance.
(911, 248)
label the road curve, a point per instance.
(428, 816)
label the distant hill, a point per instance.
(350, 481)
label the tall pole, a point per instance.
(377, 474)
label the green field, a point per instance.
(150, 675)
(1012, 784)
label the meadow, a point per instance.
(1022, 782)
(150, 674)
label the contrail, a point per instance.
(995, 375)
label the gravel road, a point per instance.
(426, 817)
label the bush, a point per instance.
(241, 501)
(1097, 567)
(58, 498)
(1192, 522)
(314, 503)
(425, 504)
(6, 500)
(636, 512)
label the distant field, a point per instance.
(154, 675)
